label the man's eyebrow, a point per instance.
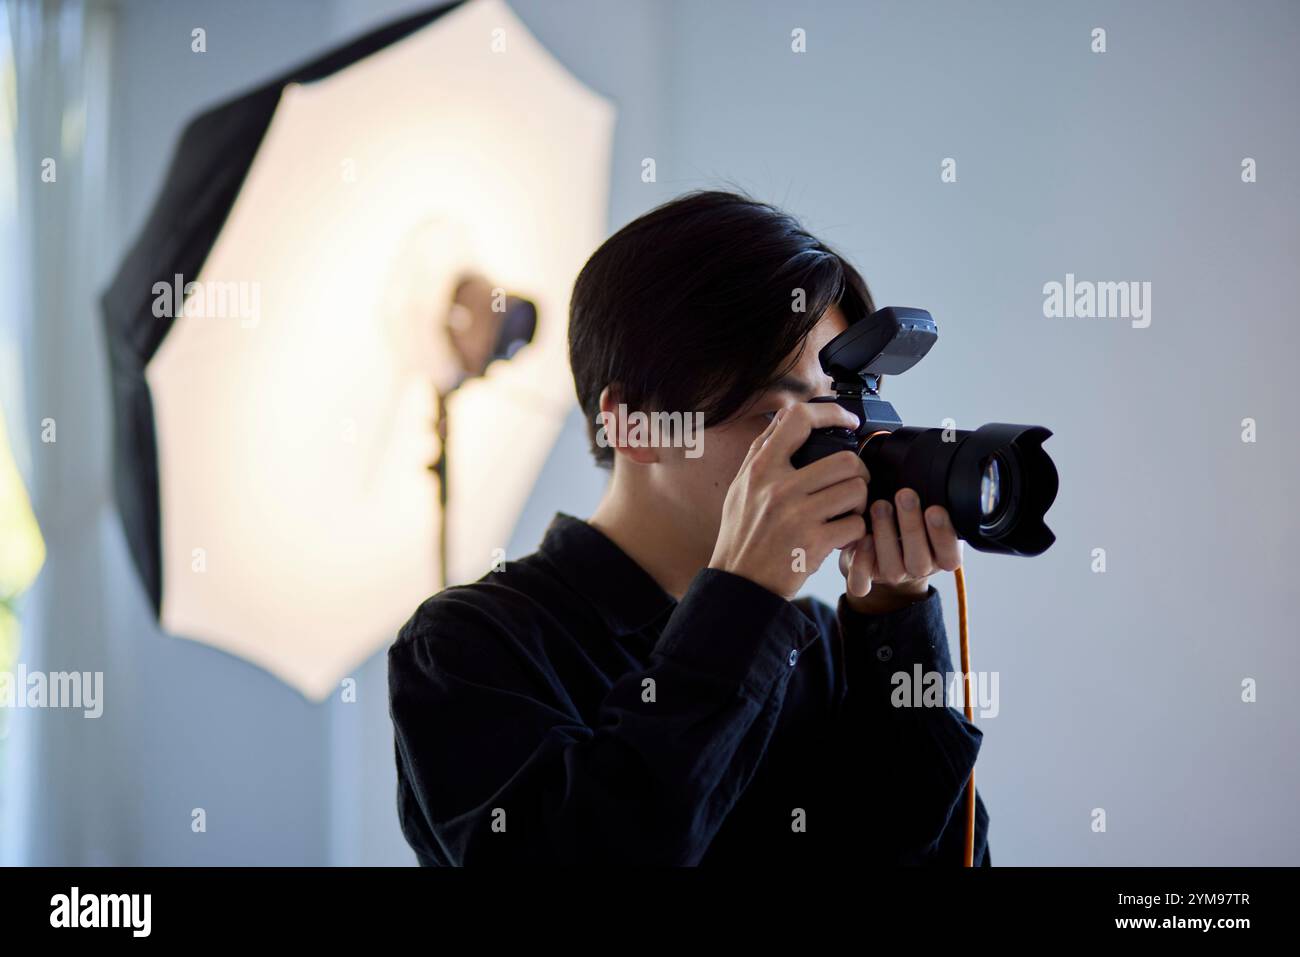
(792, 383)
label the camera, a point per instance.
(996, 482)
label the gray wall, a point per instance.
(1118, 690)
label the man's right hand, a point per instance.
(779, 523)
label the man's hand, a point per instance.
(891, 567)
(780, 523)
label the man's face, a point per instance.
(698, 486)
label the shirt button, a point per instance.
(884, 652)
(794, 656)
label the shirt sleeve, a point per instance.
(496, 765)
(898, 672)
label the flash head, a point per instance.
(889, 341)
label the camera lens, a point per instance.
(991, 489)
(996, 482)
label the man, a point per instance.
(646, 688)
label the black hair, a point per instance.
(692, 307)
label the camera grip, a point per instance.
(824, 442)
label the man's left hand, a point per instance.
(891, 566)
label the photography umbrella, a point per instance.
(281, 335)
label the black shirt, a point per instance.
(568, 710)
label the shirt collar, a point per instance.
(621, 592)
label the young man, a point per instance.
(646, 688)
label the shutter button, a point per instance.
(884, 652)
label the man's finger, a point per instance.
(917, 558)
(844, 531)
(759, 440)
(846, 558)
(889, 556)
(849, 495)
(943, 538)
(799, 421)
(828, 471)
(863, 567)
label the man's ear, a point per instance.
(614, 422)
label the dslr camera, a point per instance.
(996, 482)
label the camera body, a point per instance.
(889, 341)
